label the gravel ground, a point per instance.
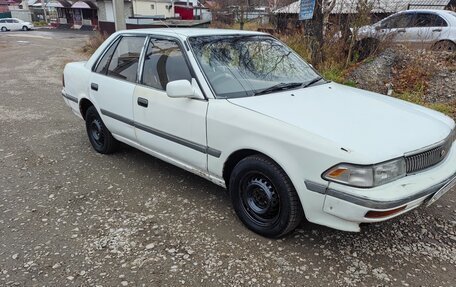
(71, 217)
(377, 74)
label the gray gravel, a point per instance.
(71, 217)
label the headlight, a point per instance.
(366, 175)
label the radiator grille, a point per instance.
(431, 157)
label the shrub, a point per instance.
(93, 43)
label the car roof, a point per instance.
(190, 32)
(435, 11)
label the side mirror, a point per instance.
(378, 28)
(180, 89)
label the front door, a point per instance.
(113, 83)
(172, 127)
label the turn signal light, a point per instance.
(381, 214)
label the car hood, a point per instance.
(372, 125)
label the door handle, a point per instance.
(143, 102)
(94, 86)
(437, 30)
(401, 30)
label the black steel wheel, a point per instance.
(99, 136)
(264, 197)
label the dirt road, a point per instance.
(71, 217)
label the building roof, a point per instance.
(378, 6)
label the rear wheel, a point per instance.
(99, 135)
(264, 198)
(4, 29)
(444, 46)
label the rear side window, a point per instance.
(164, 62)
(429, 20)
(124, 61)
(102, 67)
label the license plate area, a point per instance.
(444, 189)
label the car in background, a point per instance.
(10, 24)
(423, 29)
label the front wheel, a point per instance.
(99, 135)
(25, 28)
(264, 197)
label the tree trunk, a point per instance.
(314, 30)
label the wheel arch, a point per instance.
(442, 41)
(235, 157)
(84, 104)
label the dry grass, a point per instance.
(93, 43)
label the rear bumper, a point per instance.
(69, 97)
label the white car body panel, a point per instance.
(181, 118)
(305, 131)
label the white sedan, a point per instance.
(244, 111)
(429, 29)
(10, 24)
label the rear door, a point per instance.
(172, 127)
(426, 29)
(9, 24)
(113, 82)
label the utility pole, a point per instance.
(119, 15)
(44, 10)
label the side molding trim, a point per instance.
(195, 146)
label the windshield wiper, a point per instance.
(316, 80)
(278, 87)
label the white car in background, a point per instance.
(244, 111)
(11, 24)
(428, 29)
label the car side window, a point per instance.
(429, 20)
(125, 59)
(103, 64)
(398, 21)
(15, 21)
(164, 62)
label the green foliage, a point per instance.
(40, 23)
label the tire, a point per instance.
(24, 28)
(4, 29)
(264, 198)
(444, 46)
(99, 135)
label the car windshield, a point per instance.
(243, 66)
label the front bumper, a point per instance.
(352, 205)
(355, 208)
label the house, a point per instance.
(189, 10)
(156, 8)
(4, 6)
